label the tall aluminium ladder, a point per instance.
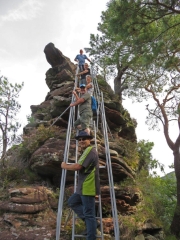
(108, 157)
(100, 113)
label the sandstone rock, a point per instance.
(55, 57)
(139, 237)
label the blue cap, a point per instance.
(82, 86)
(83, 134)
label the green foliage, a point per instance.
(107, 53)
(9, 108)
(146, 161)
(140, 40)
(130, 154)
(30, 119)
(158, 204)
(36, 138)
(30, 176)
(159, 197)
(9, 174)
(102, 82)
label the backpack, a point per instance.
(94, 104)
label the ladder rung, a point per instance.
(102, 166)
(78, 235)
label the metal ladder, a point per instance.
(105, 127)
(100, 113)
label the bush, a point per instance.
(36, 139)
(8, 175)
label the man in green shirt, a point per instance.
(85, 111)
(83, 200)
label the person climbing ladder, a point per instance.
(85, 111)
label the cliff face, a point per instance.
(31, 203)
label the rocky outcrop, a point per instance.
(29, 212)
(56, 59)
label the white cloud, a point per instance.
(27, 10)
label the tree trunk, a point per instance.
(119, 84)
(175, 225)
(117, 87)
(4, 150)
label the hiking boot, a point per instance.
(84, 232)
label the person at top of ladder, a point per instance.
(84, 73)
(82, 202)
(85, 111)
(80, 58)
(89, 85)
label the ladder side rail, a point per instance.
(98, 94)
(95, 83)
(75, 85)
(100, 213)
(95, 80)
(75, 176)
(63, 174)
(75, 187)
(109, 131)
(68, 135)
(110, 182)
(99, 197)
(107, 125)
(95, 135)
(110, 175)
(113, 203)
(75, 173)
(63, 177)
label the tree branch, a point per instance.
(166, 122)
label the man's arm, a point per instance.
(72, 167)
(76, 59)
(78, 90)
(79, 101)
(85, 71)
(75, 94)
(89, 86)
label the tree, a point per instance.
(146, 161)
(9, 108)
(150, 30)
(159, 196)
(108, 54)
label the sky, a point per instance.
(27, 26)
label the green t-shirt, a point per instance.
(86, 105)
(88, 176)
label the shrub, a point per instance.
(36, 139)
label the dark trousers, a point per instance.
(81, 68)
(84, 207)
